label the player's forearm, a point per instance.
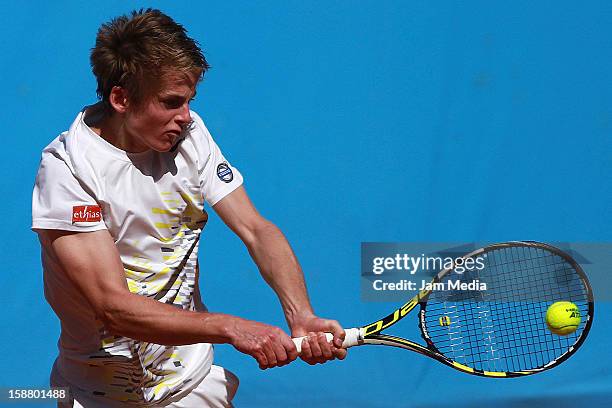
(280, 268)
(145, 319)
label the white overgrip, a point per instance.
(353, 338)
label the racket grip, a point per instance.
(353, 337)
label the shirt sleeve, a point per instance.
(60, 202)
(218, 177)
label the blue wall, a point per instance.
(351, 121)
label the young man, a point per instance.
(119, 207)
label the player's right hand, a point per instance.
(267, 344)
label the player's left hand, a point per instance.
(316, 349)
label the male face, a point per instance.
(158, 121)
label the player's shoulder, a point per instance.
(55, 155)
(198, 128)
(68, 144)
(197, 136)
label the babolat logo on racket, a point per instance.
(224, 172)
(86, 213)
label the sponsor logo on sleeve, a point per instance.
(224, 172)
(86, 213)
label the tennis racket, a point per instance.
(500, 332)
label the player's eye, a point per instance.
(173, 103)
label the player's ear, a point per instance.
(118, 99)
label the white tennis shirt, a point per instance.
(152, 204)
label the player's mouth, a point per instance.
(172, 136)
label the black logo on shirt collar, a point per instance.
(224, 172)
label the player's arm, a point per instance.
(279, 267)
(91, 262)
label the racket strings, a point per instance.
(503, 328)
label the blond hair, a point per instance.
(136, 51)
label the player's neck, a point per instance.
(110, 127)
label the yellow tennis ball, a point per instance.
(563, 318)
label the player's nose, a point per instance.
(184, 117)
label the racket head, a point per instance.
(501, 331)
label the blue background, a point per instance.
(351, 121)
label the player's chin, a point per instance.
(162, 149)
(163, 146)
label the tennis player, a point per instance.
(118, 206)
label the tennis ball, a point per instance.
(563, 318)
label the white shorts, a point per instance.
(216, 390)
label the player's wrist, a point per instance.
(298, 321)
(220, 328)
(299, 315)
